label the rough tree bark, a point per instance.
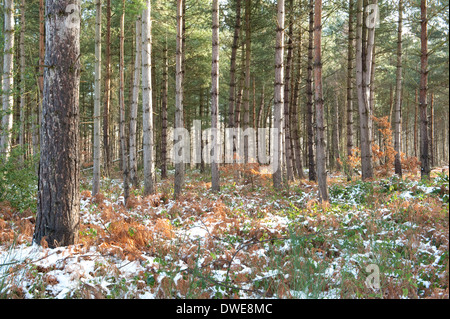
(423, 103)
(107, 101)
(97, 97)
(350, 69)
(279, 92)
(321, 145)
(398, 97)
(215, 183)
(122, 133)
(57, 219)
(134, 103)
(8, 80)
(309, 93)
(147, 105)
(179, 167)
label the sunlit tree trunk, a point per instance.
(179, 167)
(147, 105)
(57, 219)
(8, 79)
(123, 140)
(107, 101)
(215, 95)
(279, 90)
(134, 104)
(398, 97)
(97, 97)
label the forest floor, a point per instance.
(248, 241)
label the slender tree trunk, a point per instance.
(363, 82)
(134, 103)
(22, 78)
(335, 134)
(147, 101)
(97, 97)
(398, 97)
(122, 133)
(107, 101)
(423, 103)
(248, 43)
(164, 114)
(350, 70)
(432, 153)
(321, 145)
(287, 86)
(215, 95)
(295, 104)
(179, 167)
(279, 92)
(309, 94)
(8, 79)
(57, 219)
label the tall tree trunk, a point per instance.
(232, 91)
(279, 92)
(164, 114)
(147, 102)
(106, 140)
(122, 133)
(135, 102)
(350, 69)
(287, 102)
(8, 80)
(22, 78)
(335, 135)
(423, 103)
(248, 43)
(321, 145)
(215, 96)
(179, 166)
(432, 153)
(398, 97)
(363, 75)
(309, 94)
(295, 104)
(97, 97)
(57, 219)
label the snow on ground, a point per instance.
(238, 243)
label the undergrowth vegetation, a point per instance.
(248, 241)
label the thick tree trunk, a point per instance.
(8, 80)
(423, 103)
(57, 220)
(321, 145)
(134, 103)
(279, 92)
(179, 166)
(309, 94)
(398, 97)
(215, 95)
(97, 97)
(147, 102)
